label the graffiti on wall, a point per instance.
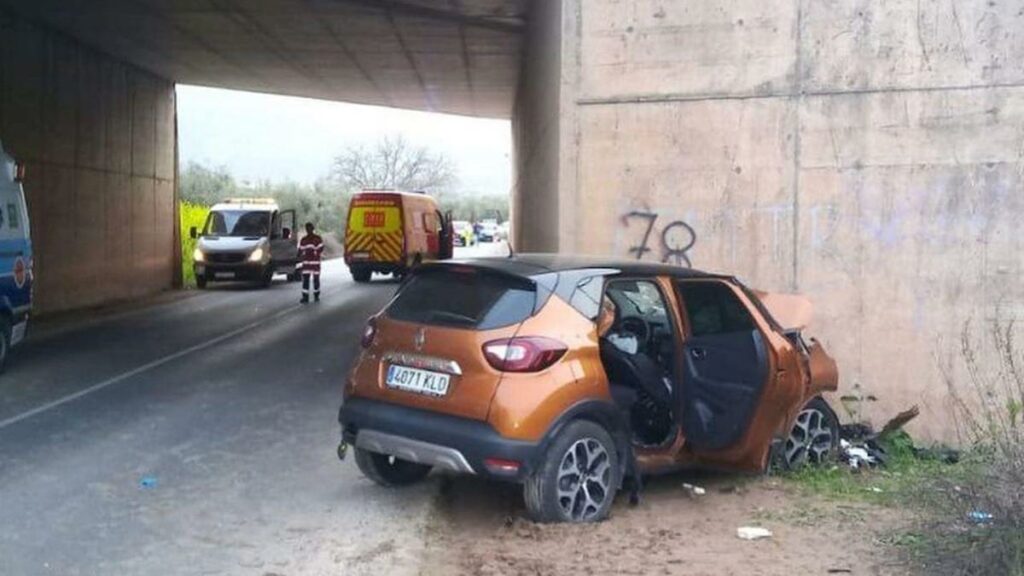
(672, 242)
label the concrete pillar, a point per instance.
(98, 138)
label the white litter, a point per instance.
(753, 533)
(693, 491)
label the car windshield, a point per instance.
(465, 299)
(238, 223)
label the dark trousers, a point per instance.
(305, 285)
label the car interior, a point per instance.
(638, 348)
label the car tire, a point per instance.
(5, 343)
(389, 471)
(295, 276)
(361, 276)
(201, 281)
(554, 492)
(814, 439)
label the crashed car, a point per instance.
(574, 376)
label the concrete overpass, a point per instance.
(87, 100)
(868, 154)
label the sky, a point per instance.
(279, 138)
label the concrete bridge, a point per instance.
(868, 154)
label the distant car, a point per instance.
(464, 235)
(488, 231)
(15, 257)
(245, 239)
(570, 375)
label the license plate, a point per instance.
(224, 275)
(418, 381)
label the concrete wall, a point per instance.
(867, 154)
(535, 132)
(98, 138)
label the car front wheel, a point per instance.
(389, 471)
(814, 438)
(578, 478)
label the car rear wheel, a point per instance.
(389, 471)
(814, 438)
(361, 275)
(5, 342)
(578, 478)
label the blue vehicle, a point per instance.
(15, 257)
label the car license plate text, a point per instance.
(419, 381)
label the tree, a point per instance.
(394, 163)
(204, 185)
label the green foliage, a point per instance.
(205, 186)
(190, 215)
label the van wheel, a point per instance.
(201, 281)
(361, 275)
(389, 471)
(578, 477)
(5, 342)
(268, 278)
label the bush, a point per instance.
(190, 215)
(988, 537)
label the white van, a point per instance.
(15, 257)
(246, 239)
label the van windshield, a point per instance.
(465, 299)
(238, 223)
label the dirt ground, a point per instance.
(481, 530)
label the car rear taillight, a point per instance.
(369, 332)
(523, 353)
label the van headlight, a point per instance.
(256, 256)
(198, 255)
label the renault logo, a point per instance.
(421, 337)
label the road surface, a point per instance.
(197, 436)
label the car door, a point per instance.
(725, 365)
(283, 249)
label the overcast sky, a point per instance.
(259, 136)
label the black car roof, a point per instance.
(533, 264)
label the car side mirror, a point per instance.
(286, 233)
(193, 232)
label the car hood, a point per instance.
(791, 311)
(229, 243)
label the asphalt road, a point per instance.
(197, 436)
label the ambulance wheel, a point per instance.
(201, 281)
(295, 276)
(268, 278)
(5, 342)
(361, 275)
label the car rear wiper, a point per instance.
(452, 317)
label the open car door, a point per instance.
(725, 365)
(445, 236)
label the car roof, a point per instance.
(533, 264)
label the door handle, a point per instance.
(698, 353)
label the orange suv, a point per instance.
(574, 375)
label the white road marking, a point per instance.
(144, 368)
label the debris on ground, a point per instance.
(753, 533)
(860, 447)
(980, 517)
(693, 491)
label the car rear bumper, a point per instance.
(448, 442)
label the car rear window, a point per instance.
(467, 298)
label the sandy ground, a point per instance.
(481, 529)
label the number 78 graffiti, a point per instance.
(677, 238)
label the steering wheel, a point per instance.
(638, 327)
